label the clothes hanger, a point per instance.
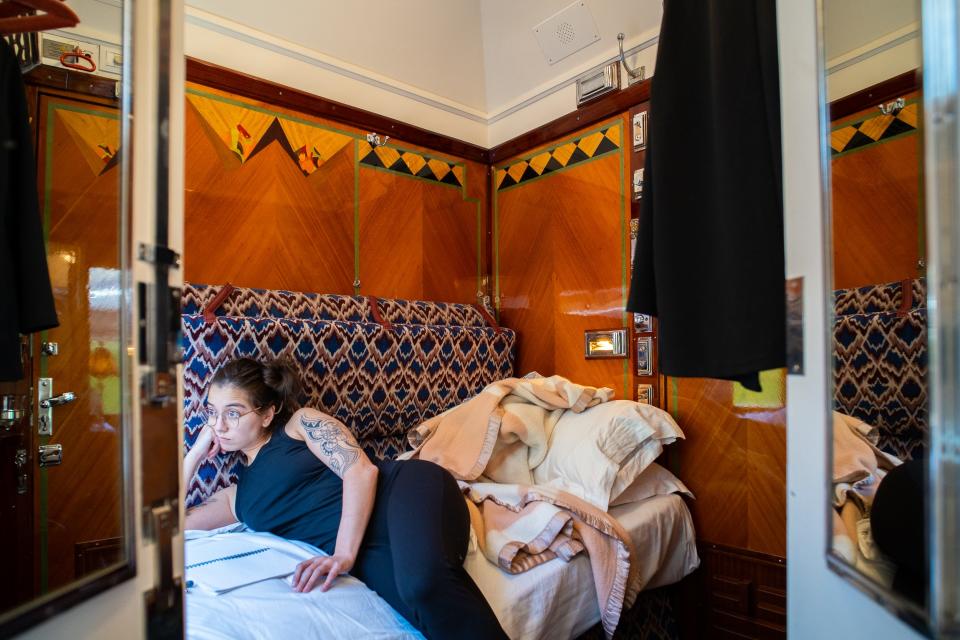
(52, 14)
(78, 54)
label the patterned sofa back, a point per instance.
(880, 362)
(379, 378)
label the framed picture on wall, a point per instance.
(640, 131)
(642, 323)
(645, 393)
(645, 356)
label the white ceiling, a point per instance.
(481, 54)
(851, 24)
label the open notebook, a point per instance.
(223, 563)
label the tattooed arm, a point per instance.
(336, 447)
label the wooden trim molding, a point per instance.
(77, 82)
(890, 89)
(218, 77)
(602, 108)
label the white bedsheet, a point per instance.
(553, 600)
(558, 600)
(271, 609)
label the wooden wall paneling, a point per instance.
(734, 460)
(450, 249)
(267, 222)
(79, 501)
(877, 210)
(588, 232)
(391, 235)
(561, 244)
(524, 276)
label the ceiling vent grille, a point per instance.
(566, 32)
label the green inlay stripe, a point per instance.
(496, 242)
(624, 258)
(356, 215)
(558, 171)
(550, 146)
(85, 110)
(479, 246)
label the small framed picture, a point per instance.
(638, 184)
(645, 393)
(645, 356)
(639, 131)
(642, 323)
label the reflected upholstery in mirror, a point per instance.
(66, 493)
(880, 412)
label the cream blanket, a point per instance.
(490, 443)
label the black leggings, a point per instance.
(413, 552)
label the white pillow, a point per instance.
(653, 481)
(586, 450)
(666, 431)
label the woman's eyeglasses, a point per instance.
(230, 416)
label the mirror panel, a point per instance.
(880, 414)
(64, 475)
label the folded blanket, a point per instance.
(858, 465)
(501, 434)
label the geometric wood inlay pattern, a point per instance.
(877, 216)
(866, 131)
(278, 199)
(567, 153)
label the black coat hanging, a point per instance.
(710, 256)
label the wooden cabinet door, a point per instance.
(78, 502)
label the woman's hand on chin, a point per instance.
(309, 572)
(208, 442)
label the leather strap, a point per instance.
(906, 297)
(375, 311)
(489, 319)
(210, 311)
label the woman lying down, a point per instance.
(402, 527)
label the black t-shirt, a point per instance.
(290, 492)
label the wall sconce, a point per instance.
(605, 343)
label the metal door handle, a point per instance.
(56, 401)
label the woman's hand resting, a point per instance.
(309, 572)
(207, 442)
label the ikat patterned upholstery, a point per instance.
(878, 298)
(379, 381)
(881, 361)
(262, 303)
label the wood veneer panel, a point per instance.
(82, 203)
(264, 223)
(417, 238)
(877, 212)
(391, 235)
(562, 248)
(734, 461)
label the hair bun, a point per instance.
(280, 376)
